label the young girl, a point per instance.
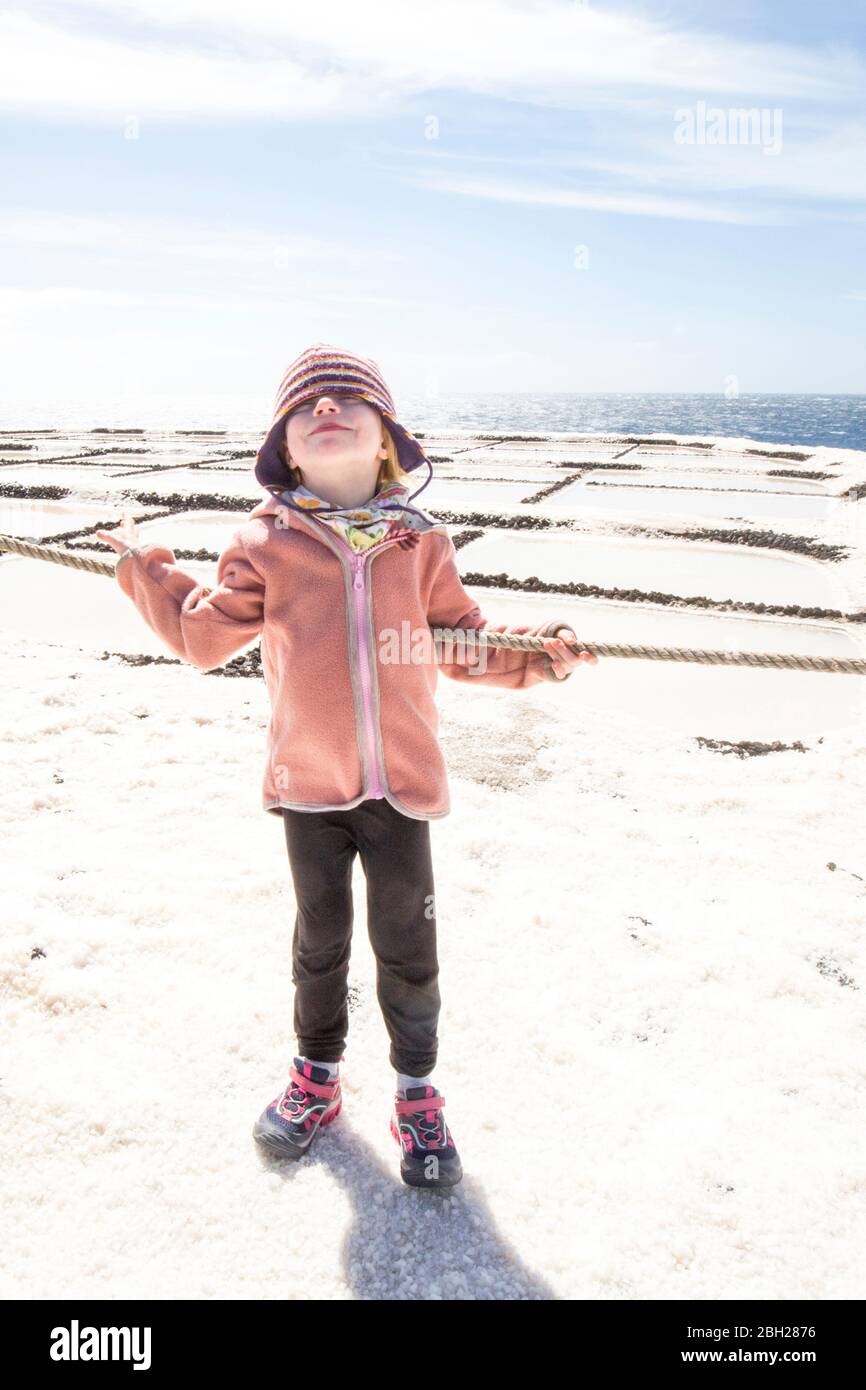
(344, 579)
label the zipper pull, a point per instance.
(357, 561)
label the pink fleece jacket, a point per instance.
(349, 719)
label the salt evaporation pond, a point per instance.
(758, 464)
(228, 481)
(83, 479)
(687, 569)
(54, 518)
(736, 481)
(482, 496)
(75, 455)
(193, 530)
(523, 455)
(633, 500)
(143, 478)
(535, 475)
(74, 608)
(730, 703)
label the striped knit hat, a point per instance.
(321, 370)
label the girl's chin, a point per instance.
(341, 460)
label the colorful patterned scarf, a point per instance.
(381, 519)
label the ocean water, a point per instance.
(814, 419)
(774, 419)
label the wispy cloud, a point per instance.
(819, 161)
(50, 71)
(640, 204)
(817, 174)
(205, 58)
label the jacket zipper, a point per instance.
(359, 591)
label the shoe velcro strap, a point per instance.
(315, 1088)
(411, 1107)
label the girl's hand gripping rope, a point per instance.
(564, 660)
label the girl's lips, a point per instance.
(320, 428)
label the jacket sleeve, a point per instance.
(450, 606)
(200, 625)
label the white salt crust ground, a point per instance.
(641, 940)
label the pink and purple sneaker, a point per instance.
(291, 1122)
(429, 1156)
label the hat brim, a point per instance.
(271, 469)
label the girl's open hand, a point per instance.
(128, 535)
(564, 660)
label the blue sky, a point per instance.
(483, 195)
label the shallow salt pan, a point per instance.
(193, 530)
(54, 518)
(633, 500)
(77, 454)
(530, 455)
(481, 496)
(537, 475)
(88, 480)
(687, 569)
(705, 459)
(709, 479)
(70, 607)
(731, 703)
(227, 481)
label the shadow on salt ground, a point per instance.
(405, 1243)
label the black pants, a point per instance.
(401, 921)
